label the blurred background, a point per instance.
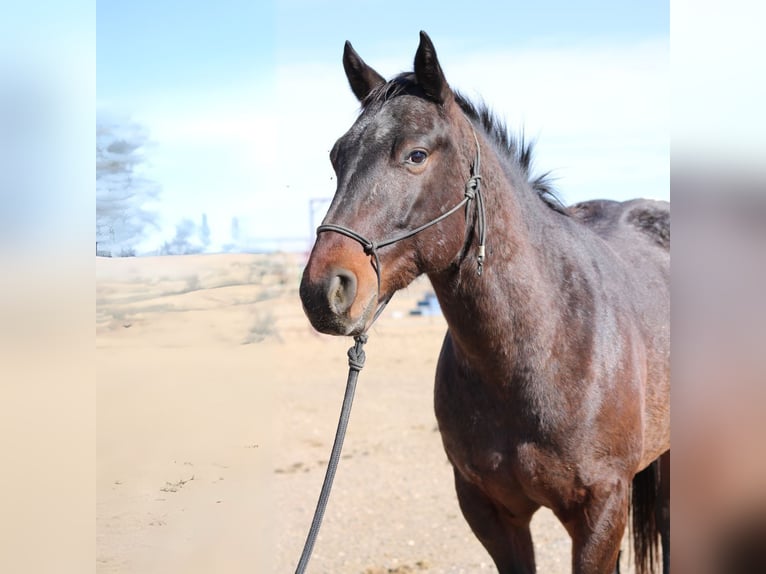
(226, 113)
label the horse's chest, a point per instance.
(509, 469)
(494, 447)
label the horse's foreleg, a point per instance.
(505, 536)
(597, 529)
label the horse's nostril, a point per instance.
(342, 291)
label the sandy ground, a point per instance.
(217, 406)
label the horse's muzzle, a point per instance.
(339, 298)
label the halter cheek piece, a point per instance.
(472, 191)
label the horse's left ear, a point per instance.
(429, 73)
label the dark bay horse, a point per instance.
(552, 388)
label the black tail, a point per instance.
(644, 526)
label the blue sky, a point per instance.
(243, 100)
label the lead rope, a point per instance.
(356, 355)
(356, 358)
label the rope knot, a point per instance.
(370, 248)
(356, 356)
(472, 186)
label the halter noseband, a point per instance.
(472, 191)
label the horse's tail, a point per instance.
(644, 499)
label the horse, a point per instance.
(552, 385)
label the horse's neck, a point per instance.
(510, 314)
(507, 313)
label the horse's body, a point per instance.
(552, 388)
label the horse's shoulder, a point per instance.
(606, 217)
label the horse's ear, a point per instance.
(429, 73)
(363, 78)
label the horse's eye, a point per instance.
(417, 156)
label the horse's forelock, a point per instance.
(398, 85)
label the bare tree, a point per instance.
(204, 233)
(184, 241)
(235, 230)
(234, 244)
(122, 194)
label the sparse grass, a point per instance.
(175, 486)
(263, 327)
(119, 303)
(268, 293)
(161, 308)
(118, 318)
(192, 283)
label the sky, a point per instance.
(243, 100)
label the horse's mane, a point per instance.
(517, 149)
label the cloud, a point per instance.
(600, 114)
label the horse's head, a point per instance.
(404, 162)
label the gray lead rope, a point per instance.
(356, 359)
(356, 356)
